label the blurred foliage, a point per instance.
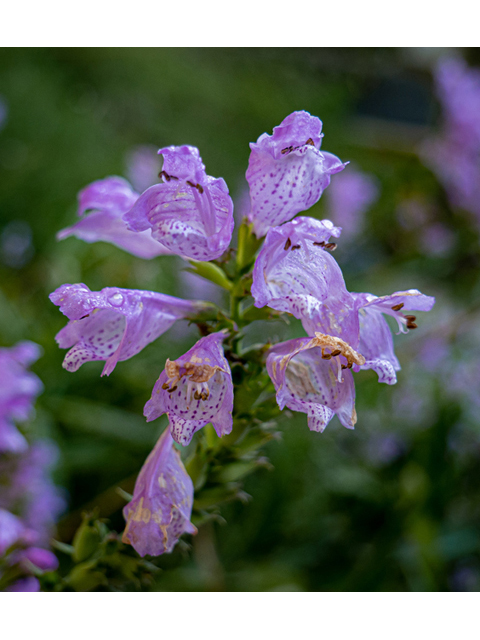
(393, 505)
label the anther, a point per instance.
(205, 395)
(310, 141)
(397, 307)
(410, 318)
(331, 246)
(197, 395)
(326, 356)
(195, 186)
(164, 174)
(287, 150)
(172, 389)
(411, 325)
(288, 244)
(165, 385)
(295, 246)
(337, 352)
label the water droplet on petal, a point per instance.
(116, 300)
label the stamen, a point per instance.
(337, 352)
(310, 141)
(288, 244)
(397, 307)
(331, 246)
(287, 150)
(339, 370)
(296, 246)
(164, 174)
(172, 389)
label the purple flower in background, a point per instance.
(18, 391)
(142, 167)
(194, 390)
(287, 172)
(160, 510)
(312, 375)
(107, 200)
(295, 273)
(350, 195)
(12, 530)
(114, 324)
(190, 213)
(454, 155)
(375, 339)
(458, 88)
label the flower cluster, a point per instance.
(454, 154)
(29, 501)
(190, 214)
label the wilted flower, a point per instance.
(160, 510)
(350, 195)
(287, 172)
(295, 273)
(194, 390)
(190, 213)
(312, 375)
(18, 390)
(114, 324)
(107, 200)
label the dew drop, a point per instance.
(116, 300)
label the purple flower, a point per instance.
(194, 390)
(107, 200)
(12, 530)
(287, 172)
(42, 558)
(295, 273)
(160, 510)
(349, 197)
(18, 390)
(454, 155)
(114, 324)
(29, 584)
(375, 339)
(458, 88)
(143, 166)
(190, 213)
(312, 375)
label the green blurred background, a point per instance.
(393, 505)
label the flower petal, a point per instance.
(191, 214)
(287, 173)
(194, 390)
(114, 324)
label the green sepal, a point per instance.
(248, 245)
(87, 538)
(212, 272)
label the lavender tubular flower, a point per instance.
(190, 213)
(18, 390)
(375, 340)
(160, 510)
(295, 273)
(312, 375)
(107, 200)
(114, 324)
(287, 173)
(194, 390)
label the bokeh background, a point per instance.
(393, 505)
